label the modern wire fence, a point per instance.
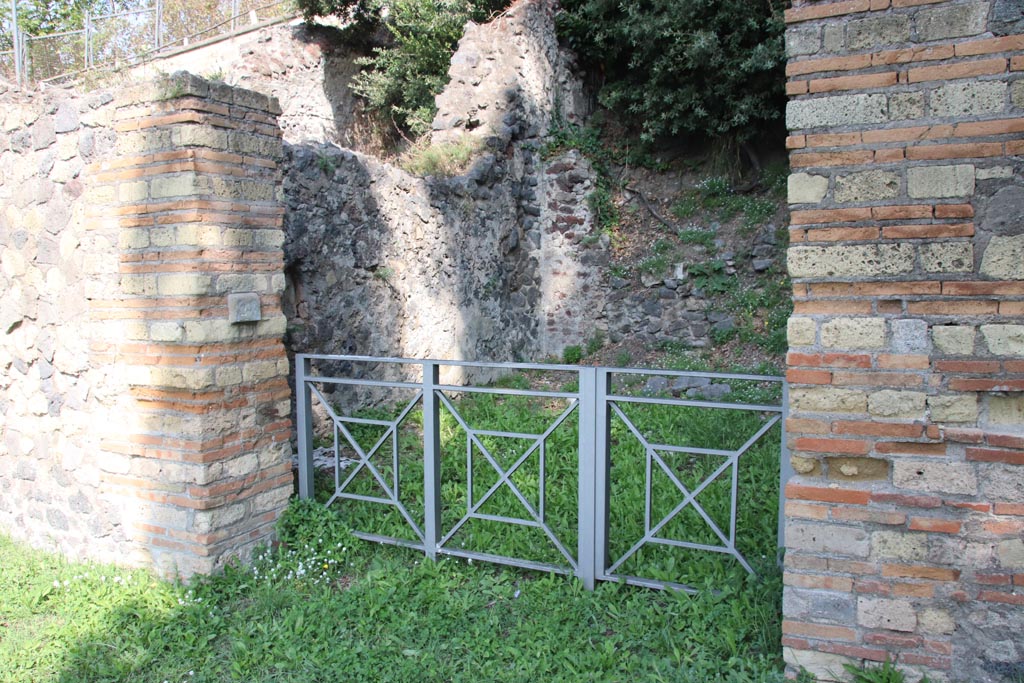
(128, 37)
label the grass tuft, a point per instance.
(444, 160)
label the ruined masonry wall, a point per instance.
(906, 363)
(51, 389)
(499, 263)
(146, 403)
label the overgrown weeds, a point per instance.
(716, 196)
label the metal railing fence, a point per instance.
(128, 37)
(563, 474)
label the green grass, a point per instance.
(714, 195)
(375, 616)
(704, 238)
(324, 606)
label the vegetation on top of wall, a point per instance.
(714, 69)
(444, 160)
(403, 76)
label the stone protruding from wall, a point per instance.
(906, 363)
(146, 410)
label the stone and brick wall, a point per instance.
(146, 412)
(50, 391)
(906, 362)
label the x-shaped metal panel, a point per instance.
(731, 464)
(504, 477)
(391, 491)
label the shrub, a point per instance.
(571, 355)
(884, 673)
(714, 69)
(362, 12)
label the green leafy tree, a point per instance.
(684, 66)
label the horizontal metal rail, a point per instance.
(589, 410)
(135, 22)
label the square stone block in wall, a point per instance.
(954, 340)
(804, 188)
(940, 181)
(947, 257)
(867, 186)
(1004, 257)
(244, 307)
(951, 21)
(853, 333)
(962, 99)
(897, 404)
(936, 477)
(877, 31)
(1004, 340)
(1007, 410)
(836, 110)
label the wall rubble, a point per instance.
(51, 390)
(904, 525)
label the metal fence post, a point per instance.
(234, 15)
(588, 395)
(785, 467)
(601, 469)
(304, 425)
(158, 24)
(17, 42)
(88, 40)
(431, 460)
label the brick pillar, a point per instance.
(197, 454)
(906, 364)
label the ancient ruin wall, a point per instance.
(145, 406)
(906, 363)
(487, 265)
(307, 68)
(500, 263)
